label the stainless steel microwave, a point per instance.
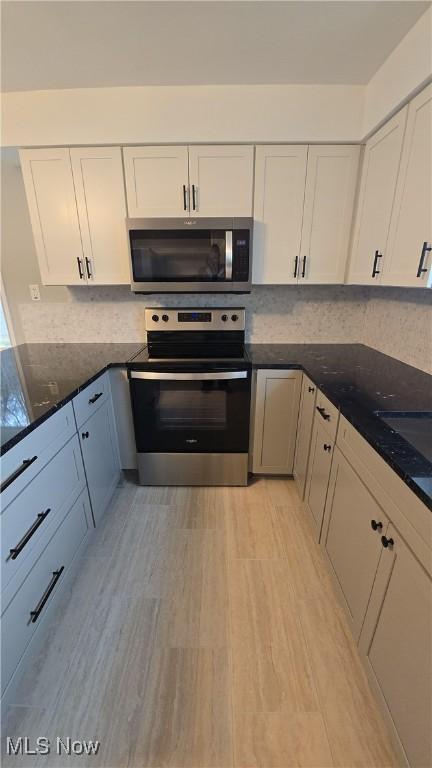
(190, 255)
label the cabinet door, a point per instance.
(221, 179)
(157, 180)
(99, 186)
(50, 194)
(410, 238)
(377, 190)
(276, 416)
(280, 177)
(100, 454)
(318, 473)
(396, 642)
(353, 526)
(304, 433)
(330, 187)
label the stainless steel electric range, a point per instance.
(190, 392)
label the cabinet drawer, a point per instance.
(89, 400)
(27, 521)
(25, 460)
(41, 584)
(327, 413)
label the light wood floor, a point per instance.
(202, 631)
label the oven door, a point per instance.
(191, 412)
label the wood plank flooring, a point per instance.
(202, 632)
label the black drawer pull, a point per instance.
(386, 542)
(303, 274)
(375, 270)
(311, 389)
(80, 269)
(421, 269)
(95, 397)
(376, 526)
(323, 413)
(327, 447)
(84, 435)
(27, 536)
(9, 480)
(37, 611)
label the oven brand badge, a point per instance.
(189, 223)
(191, 440)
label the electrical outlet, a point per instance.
(35, 292)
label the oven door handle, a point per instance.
(164, 376)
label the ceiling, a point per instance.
(93, 43)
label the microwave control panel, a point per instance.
(241, 255)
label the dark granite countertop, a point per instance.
(361, 381)
(37, 379)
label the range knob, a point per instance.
(224, 318)
(155, 318)
(165, 318)
(234, 318)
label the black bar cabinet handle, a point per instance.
(27, 536)
(327, 447)
(9, 480)
(85, 435)
(386, 542)
(95, 397)
(296, 261)
(88, 265)
(376, 271)
(193, 197)
(311, 389)
(37, 611)
(184, 198)
(304, 267)
(322, 413)
(80, 270)
(421, 269)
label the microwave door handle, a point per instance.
(188, 376)
(228, 255)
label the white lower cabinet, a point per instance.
(304, 432)
(101, 459)
(353, 525)
(396, 644)
(321, 452)
(29, 607)
(275, 421)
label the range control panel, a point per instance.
(214, 319)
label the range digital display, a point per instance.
(194, 317)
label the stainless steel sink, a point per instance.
(415, 427)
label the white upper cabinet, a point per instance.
(328, 210)
(409, 258)
(280, 177)
(98, 178)
(77, 209)
(377, 190)
(157, 181)
(221, 180)
(50, 194)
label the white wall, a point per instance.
(405, 71)
(182, 114)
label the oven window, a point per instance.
(176, 255)
(196, 409)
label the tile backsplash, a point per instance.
(398, 322)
